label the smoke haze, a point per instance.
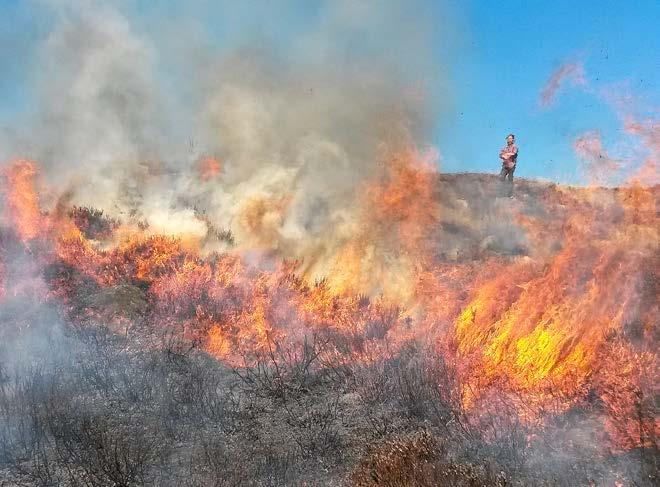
(126, 112)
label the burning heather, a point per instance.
(541, 316)
(299, 296)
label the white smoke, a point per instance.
(302, 127)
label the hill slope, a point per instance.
(523, 354)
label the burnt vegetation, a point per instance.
(113, 384)
(97, 410)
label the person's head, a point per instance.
(510, 139)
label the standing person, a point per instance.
(509, 156)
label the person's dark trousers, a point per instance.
(506, 176)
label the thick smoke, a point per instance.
(125, 115)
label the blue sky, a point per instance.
(511, 49)
(498, 57)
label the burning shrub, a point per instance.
(517, 342)
(625, 386)
(93, 223)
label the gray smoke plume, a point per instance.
(128, 108)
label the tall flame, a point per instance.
(22, 199)
(576, 313)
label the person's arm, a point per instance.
(514, 154)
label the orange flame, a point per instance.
(22, 199)
(546, 324)
(540, 324)
(209, 168)
(392, 240)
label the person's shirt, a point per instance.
(509, 155)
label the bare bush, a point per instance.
(313, 426)
(97, 451)
(281, 370)
(286, 374)
(25, 448)
(374, 387)
(427, 388)
(218, 463)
